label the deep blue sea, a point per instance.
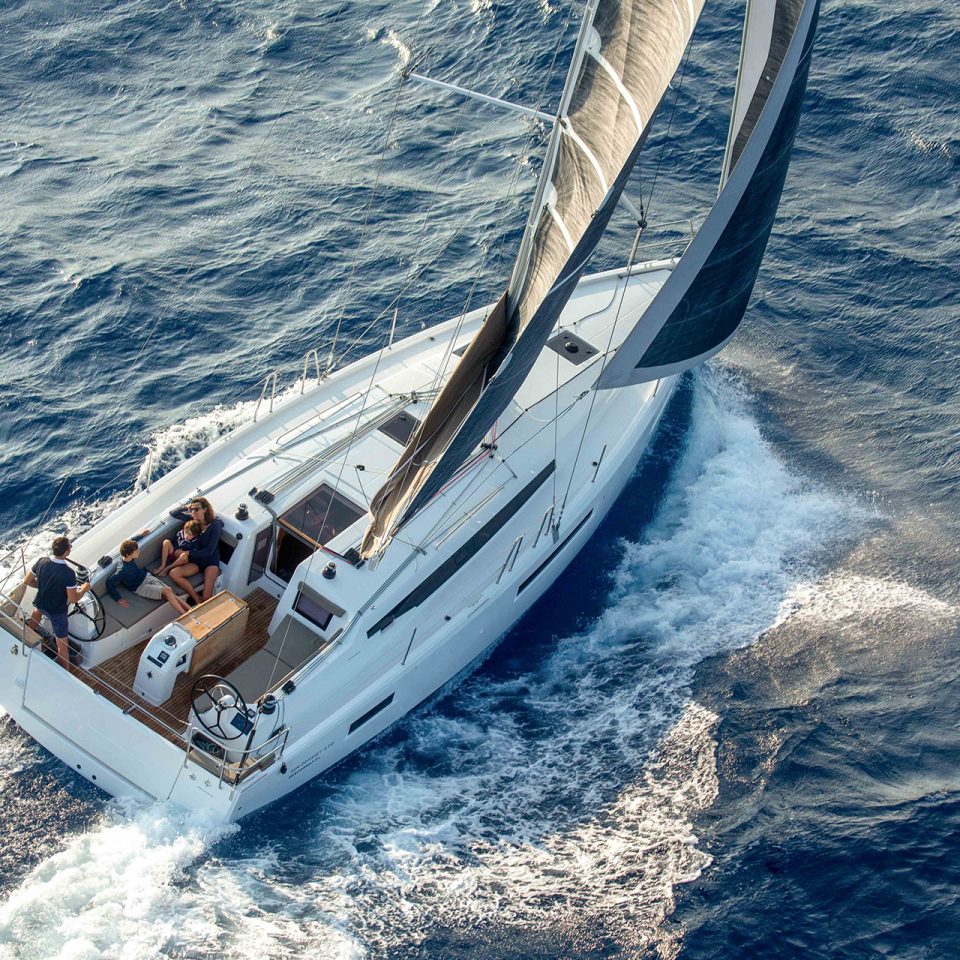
(732, 729)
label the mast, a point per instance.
(626, 53)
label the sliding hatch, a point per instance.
(309, 525)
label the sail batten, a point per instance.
(700, 306)
(627, 52)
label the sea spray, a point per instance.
(562, 799)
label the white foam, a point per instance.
(845, 596)
(732, 539)
(109, 892)
(120, 891)
(392, 39)
(561, 801)
(170, 446)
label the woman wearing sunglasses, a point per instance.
(204, 551)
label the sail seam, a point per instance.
(558, 220)
(675, 7)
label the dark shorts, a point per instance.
(58, 622)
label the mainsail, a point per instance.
(700, 306)
(626, 54)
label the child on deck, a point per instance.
(143, 584)
(172, 556)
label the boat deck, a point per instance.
(114, 679)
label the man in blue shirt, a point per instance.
(139, 581)
(56, 585)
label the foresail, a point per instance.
(701, 304)
(627, 53)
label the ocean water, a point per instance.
(732, 729)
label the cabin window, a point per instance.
(455, 563)
(371, 713)
(313, 610)
(546, 563)
(261, 553)
(313, 522)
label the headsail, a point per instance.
(626, 54)
(700, 306)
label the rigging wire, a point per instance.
(510, 185)
(645, 207)
(336, 487)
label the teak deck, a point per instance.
(170, 720)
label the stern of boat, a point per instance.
(98, 726)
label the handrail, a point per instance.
(8, 597)
(512, 555)
(13, 570)
(263, 393)
(306, 363)
(261, 751)
(130, 706)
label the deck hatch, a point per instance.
(573, 348)
(400, 427)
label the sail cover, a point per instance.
(700, 306)
(626, 55)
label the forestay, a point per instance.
(626, 54)
(700, 306)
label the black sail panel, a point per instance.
(702, 303)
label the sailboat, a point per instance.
(383, 528)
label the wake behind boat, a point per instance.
(382, 529)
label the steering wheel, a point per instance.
(224, 696)
(98, 617)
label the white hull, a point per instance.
(373, 654)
